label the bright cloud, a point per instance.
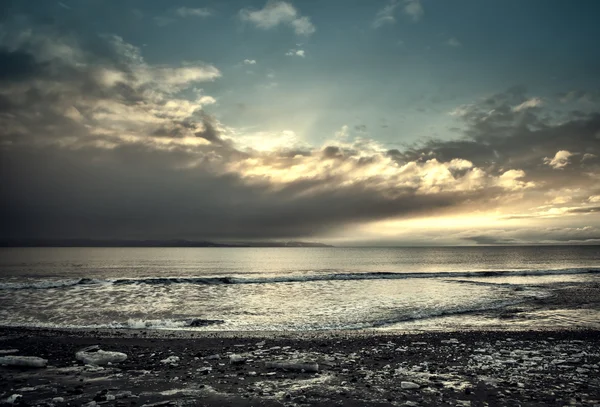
(560, 159)
(296, 52)
(276, 13)
(528, 104)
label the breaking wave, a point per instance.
(46, 284)
(164, 323)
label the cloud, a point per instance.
(386, 15)
(296, 52)
(193, 12)
(276, 13)
(587, 97)
(528, 104)
(414, 9)
(453, 42)
(560, 159)
(249, 62)
(182, 12)
(96, 141)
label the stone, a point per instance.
(310, 367)
(409, 385)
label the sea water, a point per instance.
(294, 289)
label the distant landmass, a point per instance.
(145, 243)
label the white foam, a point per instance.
(42, 284)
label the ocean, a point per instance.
(298, 289)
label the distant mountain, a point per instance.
(144, 243)
(285, 244)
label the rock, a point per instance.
(213, 357)
(197, 322)
(409, 385)
(8, 351)
(172, 360)
(122, 394)
(205, 370)
(93, 355)
(101, 395)
(294, 366)
(160, 404)
(58, 400)
(237, 359)
(23, 361)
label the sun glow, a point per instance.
(403, 226)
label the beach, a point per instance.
(477, 368)
(293, 327)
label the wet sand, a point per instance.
(477, 368)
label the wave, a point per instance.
(45, 284)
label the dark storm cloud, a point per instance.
(134, 192)
(17, 65)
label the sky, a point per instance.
(349, 122)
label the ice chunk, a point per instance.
(237, 359)
(14, 399)
(171, 360)
(93, 355)
(23, 361)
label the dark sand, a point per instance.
(355, 369)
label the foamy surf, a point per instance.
(200, 324)
(232, 280)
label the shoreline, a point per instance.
(185, 333)
(476, 368)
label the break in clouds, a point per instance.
(97, 142)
